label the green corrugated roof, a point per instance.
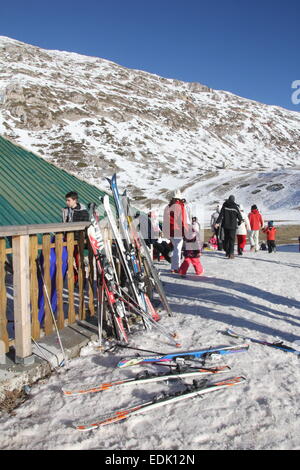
(32, 190)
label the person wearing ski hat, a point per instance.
(216, 231)
(229, 218)
(270, 230)
(256, 223)
(242, 230)
(174, 227)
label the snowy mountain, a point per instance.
(93, 117)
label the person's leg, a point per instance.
(242, 244)
(239, 244)
(256, 240)
(231, 239)
(226, 241)
(176, 257)
(219, 241)
(251, 239)
(197, 266)
(185, 266)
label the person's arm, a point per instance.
(248, 227)
(221, 215)
(239, 216)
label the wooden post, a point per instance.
(47, 279)
(22, 299)
(3, 301)
(70, 248)
(34, 288)
(59, 280)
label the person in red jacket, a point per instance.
(256, 223)
(270, 230)
(175, 225)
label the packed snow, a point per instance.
(256, 294)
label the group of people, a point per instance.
(181, 231)
(231, 221)
(184, 234)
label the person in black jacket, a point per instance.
(229, 218)
(75, 211)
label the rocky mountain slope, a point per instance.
(93, 117)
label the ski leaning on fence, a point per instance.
(146, 377)
(136, 272)
(129, 243)
(276, 345)
(136, 240)
(186, 355)
(198, 388)
(145, 314)
(142, 247)
(106, 273)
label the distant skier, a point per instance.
(230, 217)
(192, 251)
(242, 230)
(216, 231)
(270, 230)
(154, 238)
(174, 226)
(256, 223)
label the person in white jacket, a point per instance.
(216, 231)
(242, 229)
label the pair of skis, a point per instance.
(179, 373)
(197, 388)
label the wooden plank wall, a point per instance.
(78, 284)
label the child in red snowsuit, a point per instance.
(192, 254)
(270, 230)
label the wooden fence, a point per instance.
(26, 244)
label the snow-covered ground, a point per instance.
(256, 294)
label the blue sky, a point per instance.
(250, 48)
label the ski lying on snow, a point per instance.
(147, 377)
(276, 345)
(196, 389)
(194, 354)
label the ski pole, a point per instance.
(63, 362)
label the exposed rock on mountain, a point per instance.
(94, 117)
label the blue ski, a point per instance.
(188, 355)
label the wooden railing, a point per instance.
(20, 247)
